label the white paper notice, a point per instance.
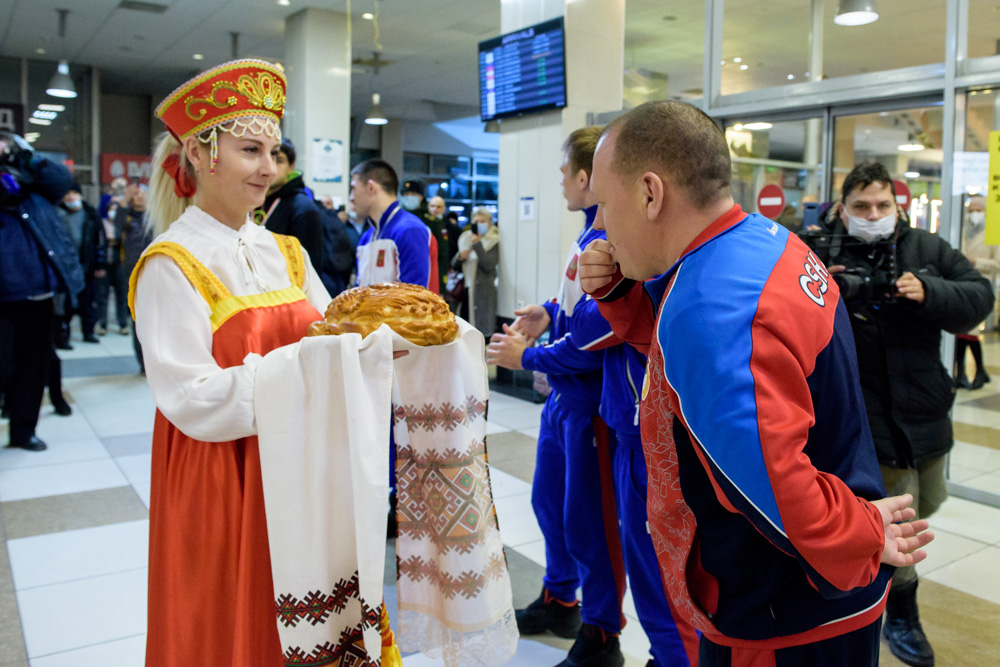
(328, 161)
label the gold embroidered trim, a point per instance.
(263, 92)
(203, 280)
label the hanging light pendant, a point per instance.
(61, 84)
(856, 12)
(375, 115)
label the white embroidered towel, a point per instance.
(454, 590)
(322, 408)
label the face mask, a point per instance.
(410, 202)
(482, 227)
(870, 231)
(976, 223)
(74, 204)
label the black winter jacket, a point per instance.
(298, 215)
(908, 392)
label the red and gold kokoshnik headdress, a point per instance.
(235, 97)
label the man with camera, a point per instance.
(37, 259)
(902, 287)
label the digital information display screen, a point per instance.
(523, 71)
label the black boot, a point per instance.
(982, 377)
(548, 613)
(962, 382)
(594, 648)
(902, 627)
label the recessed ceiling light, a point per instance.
(40, 51)
(47, 115)
(738, 127)
(987, 91)
(758, 126)
(51, 107)
(368, 16)
(791, 76)
(744, 67)
(198, 56)
(283, 3)
(39, 121)
(912, 174)
(737, 60)
(723, 63)
(911, 147)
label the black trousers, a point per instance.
(25, 349)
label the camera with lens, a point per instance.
(15, 163)
(872, 268)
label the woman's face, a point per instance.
(243, 173)
(480, 220)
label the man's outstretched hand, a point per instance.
(532, 321)
(506, 349)
(596, 265)
(903, 541)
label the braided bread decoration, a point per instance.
(414, 312)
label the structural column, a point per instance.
(533, 250)
(318, 112)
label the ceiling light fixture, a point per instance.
(744, 67)
(856, 12)
(47, 115)
(368, 16)
(738, 127)
(51, 107)
(737, 60)
(61, 84)
(911, 145)
(758, 126)
(912, 174)
(198, 56)
(39, 121)
(375, 115)
(284, 3)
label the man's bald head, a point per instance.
(436, 206)
(675, 139)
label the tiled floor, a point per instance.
(75, 522)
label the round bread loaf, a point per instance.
(414, 312)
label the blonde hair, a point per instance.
(164, 206)
(482, 210)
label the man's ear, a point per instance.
(653, 192)
(583, 179)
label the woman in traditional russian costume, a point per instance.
(211, 296)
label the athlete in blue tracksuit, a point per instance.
(566, 488)
(624, 368)
(397, 247)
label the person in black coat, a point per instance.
(290, 209)
(339, 264)
(37, 259)
(902, 287)
(83, 223)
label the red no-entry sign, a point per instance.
(902, 193)
(771, 201)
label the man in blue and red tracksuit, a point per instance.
(765, 497)
(573, 461)
(672, 642)
(398, 247)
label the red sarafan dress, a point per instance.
(211, 599)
